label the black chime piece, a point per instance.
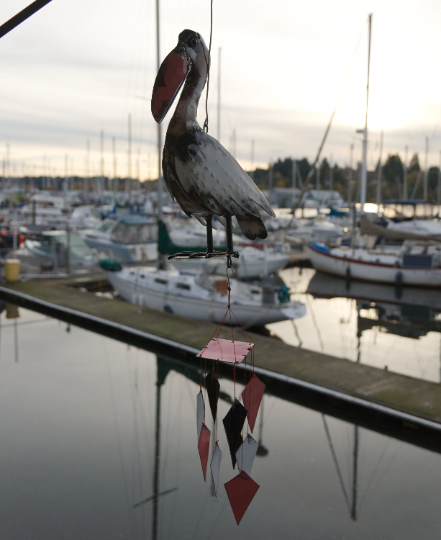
(233, 424)
(212, 386)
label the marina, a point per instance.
(192, 238)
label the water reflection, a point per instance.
(407, 312)
(99, 441)
(367, 322)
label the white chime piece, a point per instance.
(200, 413)
(215, 466)
(246, 454)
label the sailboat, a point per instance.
(205, 295)
(413, 263)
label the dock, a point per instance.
(390, 403)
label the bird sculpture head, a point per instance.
(190, 52)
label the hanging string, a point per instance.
(205, 383)
(229, 313)
(208, 60)
(217, 401)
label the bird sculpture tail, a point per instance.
(252, 227)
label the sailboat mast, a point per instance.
(405, 175)
(350, 173)
(365, 131)
(426, 170)
(380, 169)
(219, 98)
(158, 65)
(439, 182)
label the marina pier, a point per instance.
(378, 399)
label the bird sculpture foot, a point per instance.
(211, 253)
(203, 255)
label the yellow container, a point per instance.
(12, 270)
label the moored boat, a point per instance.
(125, 238)
(61, 247)
(205, 295)
(413, 263)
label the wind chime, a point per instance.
(208, 182)
(242, 488)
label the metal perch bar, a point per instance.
(210, 253)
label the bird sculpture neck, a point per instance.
(184, 117)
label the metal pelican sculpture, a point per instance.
(199, 172)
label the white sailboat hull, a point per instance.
(389, 270)
(211, 306)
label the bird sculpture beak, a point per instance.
(169, 80)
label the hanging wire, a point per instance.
(217, 401)
(208, 68)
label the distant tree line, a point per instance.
(56, 183)
(337, 178)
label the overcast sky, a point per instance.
(81, 66)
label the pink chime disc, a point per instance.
(226, 350)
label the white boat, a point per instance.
(83, 217)
(45, 209)
(57, 245)
(125, 238)
(189, 232)
(305, 230)
(413, 263)
(205, 295)
(416, 229)
(252, 263)
(423, 228)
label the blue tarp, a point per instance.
(320, 247)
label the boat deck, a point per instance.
(369, 396)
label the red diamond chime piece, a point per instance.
(241, 490)
(204, 447)
(252, 397)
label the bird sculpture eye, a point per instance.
(193, 42)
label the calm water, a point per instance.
(366, 323)
(79, 439)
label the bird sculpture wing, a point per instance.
(176, 190)
(213, 179)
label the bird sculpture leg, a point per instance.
(210, 248)
(229, 232)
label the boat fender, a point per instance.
(110, 265)
(283, 294)
(399, 279)
(168, 309)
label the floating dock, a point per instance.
(390, 403)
